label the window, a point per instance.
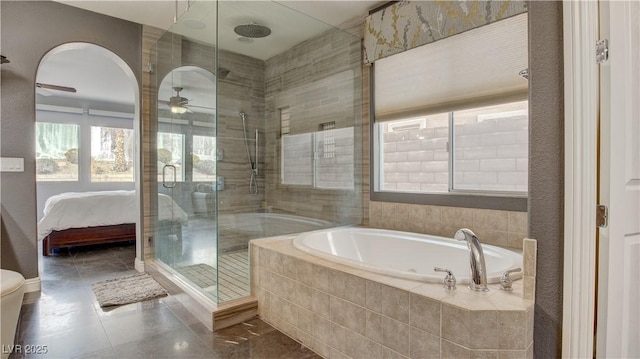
(171, 152)
(323, 159)
(57, 151)
(297, 159)
(450, 122)
(285, 121)
(112, 154)
(480, 150)
(204, 158)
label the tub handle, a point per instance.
(505, 280)
(449, 280)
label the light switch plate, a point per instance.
(11, 164)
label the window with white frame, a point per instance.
(57, 146)
(112, 154)
(204, 158)
(171, 153)
(320, 159)
(73, 144)
(452, 116)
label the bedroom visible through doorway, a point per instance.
(87, 150)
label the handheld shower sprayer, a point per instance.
(253, 164)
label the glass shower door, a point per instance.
(186, 158)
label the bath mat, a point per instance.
(130, 289)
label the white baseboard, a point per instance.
(138, 265)
(32, 285)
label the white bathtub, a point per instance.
(270, 224)
(403, 254)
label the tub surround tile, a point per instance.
(320, 303)
(529, 284)
(425, 314)
(395, 303)
(491, 219)
(518, 222)
(457, 217)
(339, 311)
(304, 296)
(484, 329)
(396, 335)
(290, 267)
(349, 315)
(501, 228)
(321, 328)
(512, 330)
(456, 324)
(423, 345)
(390, 354)
(484, 354)
(374, 326)
(529, 256)
(449, 350)
(305, 320)
(321, 278)
(373, 296)
(355, 290)
(337, 337)
(512, 354)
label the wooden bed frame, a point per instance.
(89, 235)
(74, 237)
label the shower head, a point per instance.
(524, 74)
(252, 30)
(223, 72)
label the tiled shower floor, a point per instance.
(67, 319)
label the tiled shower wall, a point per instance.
(319, 81)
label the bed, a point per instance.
(84, 218)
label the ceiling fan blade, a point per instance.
(55, 87)
(43, 92)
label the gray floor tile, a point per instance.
(68, 320)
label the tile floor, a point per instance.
(67, 319)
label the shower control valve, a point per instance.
(449, 281)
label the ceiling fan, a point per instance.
(45, 89)
(177, 104)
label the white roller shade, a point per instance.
(475, 68)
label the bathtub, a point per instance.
(404, 255)
(270, 224)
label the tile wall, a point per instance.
(502, 228)
(302, 79)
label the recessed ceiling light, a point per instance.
(194, 24)
(245, 40)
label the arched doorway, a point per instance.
(88, 132)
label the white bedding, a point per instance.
(103, 208)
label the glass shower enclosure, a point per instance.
(255, 132)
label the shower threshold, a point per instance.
(213, 315)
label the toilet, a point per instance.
(11, 293)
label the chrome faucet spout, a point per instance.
(478, 280)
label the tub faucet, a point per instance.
(478, 280)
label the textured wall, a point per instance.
(546, 170)
(29, 30)
(319, 80)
